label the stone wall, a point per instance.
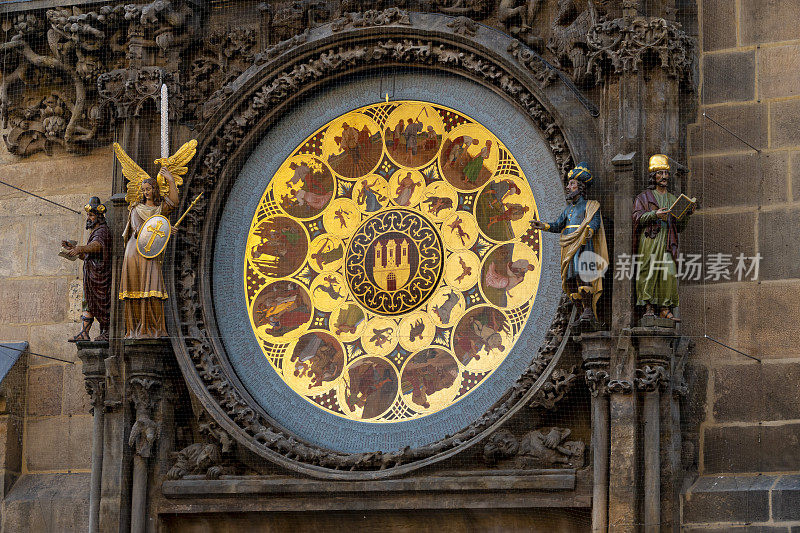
(41, 297)
(750, 197)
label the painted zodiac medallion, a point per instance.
(391, 263)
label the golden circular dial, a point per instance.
(391, 263)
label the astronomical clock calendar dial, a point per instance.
(391, 264)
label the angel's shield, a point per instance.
(153, 237)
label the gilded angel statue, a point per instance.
(150, 200)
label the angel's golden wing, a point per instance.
(133, 173)
(177, 164)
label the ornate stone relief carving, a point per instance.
(651, 378)
(370, 18)
(58, 55)
(145, 394)
(546, 447)
(81, 52)
(625, 46)
(597, 380)
(555, 388)
(209, 459)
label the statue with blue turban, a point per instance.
(581, 229)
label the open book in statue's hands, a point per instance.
(66, 246)
(682, 206)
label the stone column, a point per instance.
(622, 484)
(596, 350)
(93, 355)
(146, 362)
(655, 347)
(624, 193)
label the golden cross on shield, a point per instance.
(155, 231)
(153, 237)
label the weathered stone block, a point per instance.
(75, 300)
(10, 445)
(741, 179)
(719, 24)
(76, 399)
(782, 403)
(46, 234)
(51, 339)
(730, 404)
(707, 310)
(748, 121)
(60, 443)
(752, 448)
(729, 77)
(784, 117)
(762, 326)
(778, 242)
(14, 243)
(33, 300)
(708, 234)
(13, 333)
(786, 498)
(794, 171)
(728, 499)
(779, 71)
(44, 390)
(29, 206)
(67, 509)
(762, 21)
(84, 175)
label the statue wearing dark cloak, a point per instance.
(97, 275)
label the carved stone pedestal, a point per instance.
(93, 355)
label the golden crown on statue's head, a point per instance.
(658, 162)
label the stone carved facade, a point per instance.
(92, 49)
(70, 48)
(136, 48)
(209, 459)
(555, 388)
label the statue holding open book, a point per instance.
(658, 218)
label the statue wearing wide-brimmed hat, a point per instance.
(581, 228)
